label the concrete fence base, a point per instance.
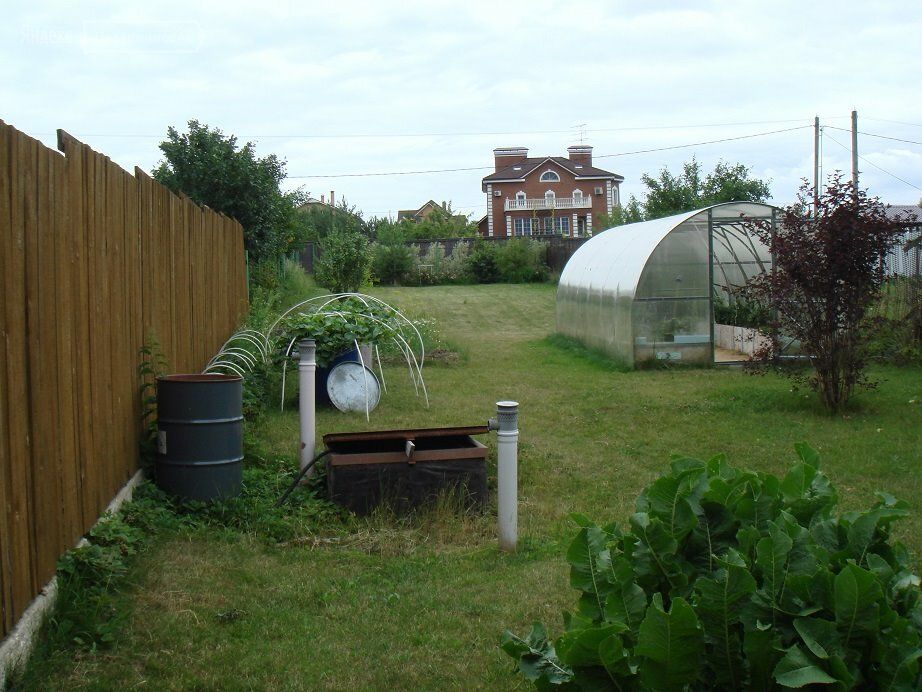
(17, 646)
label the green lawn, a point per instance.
(421, 605)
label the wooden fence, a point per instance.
(93, 262)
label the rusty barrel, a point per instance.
(200, 436)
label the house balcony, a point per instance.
(529, 204)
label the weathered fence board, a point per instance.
(93, 262)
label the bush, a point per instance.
(435, 267)
(736, 580)
(392, 260)
(481, 263)
(392, 264)
(521, 260)
(344, 263)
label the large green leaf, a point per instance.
(797, 669)
(820, 636)
(719, 604)
(761, 645)
(580, 648)
(857, 593)
(862, 532)
(536, 657)
(667, 501)
(772, 561)
(616, 659)
(588, 571)
(807, 493)
(626, 603)
(671, 645)
(654, 553)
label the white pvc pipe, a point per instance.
(307, 373)
(507, 451)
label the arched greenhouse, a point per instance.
(646, 291)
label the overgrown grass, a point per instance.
(309, 599)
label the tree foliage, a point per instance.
(211, 169)
(670, 194)
(344, 264)
(321, 220)
(440, 222)
(392, 259)
(827, 273)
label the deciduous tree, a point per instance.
(827, 272)
(212, 169)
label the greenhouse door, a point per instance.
(737, 256)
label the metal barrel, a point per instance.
(200, 436)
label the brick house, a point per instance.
(547, 195)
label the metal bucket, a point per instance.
(200, 436)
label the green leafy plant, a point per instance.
(153, 364)
(481, 263)
(729, 579)
(337, 331)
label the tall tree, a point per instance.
(212, 169)
(671, 194)
(827, 272)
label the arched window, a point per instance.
(550, 177)
(549, 198)
(520, 199)
(577, 196)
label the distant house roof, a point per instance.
(524, 167)
(424, 211)
(902, 212)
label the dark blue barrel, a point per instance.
(200, 436)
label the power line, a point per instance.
(384, 135)
(871, 134)
(698, 144)
(601, 156)
(898, 122)
(892, 175)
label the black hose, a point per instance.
(294, 483)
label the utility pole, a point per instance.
(855, 150)
(816, 164)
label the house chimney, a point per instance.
(322, 200)
(506, 156)
(332, 203)
(581, 154)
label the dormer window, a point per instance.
(550, 177)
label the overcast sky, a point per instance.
(384, 87)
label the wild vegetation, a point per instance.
(245, 594)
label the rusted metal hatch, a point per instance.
(405, 467)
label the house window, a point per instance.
(577, 195)
(548, 225)
(520, 200)
(563, 225)
(550, 177)
(522, 226)
(549, 199)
